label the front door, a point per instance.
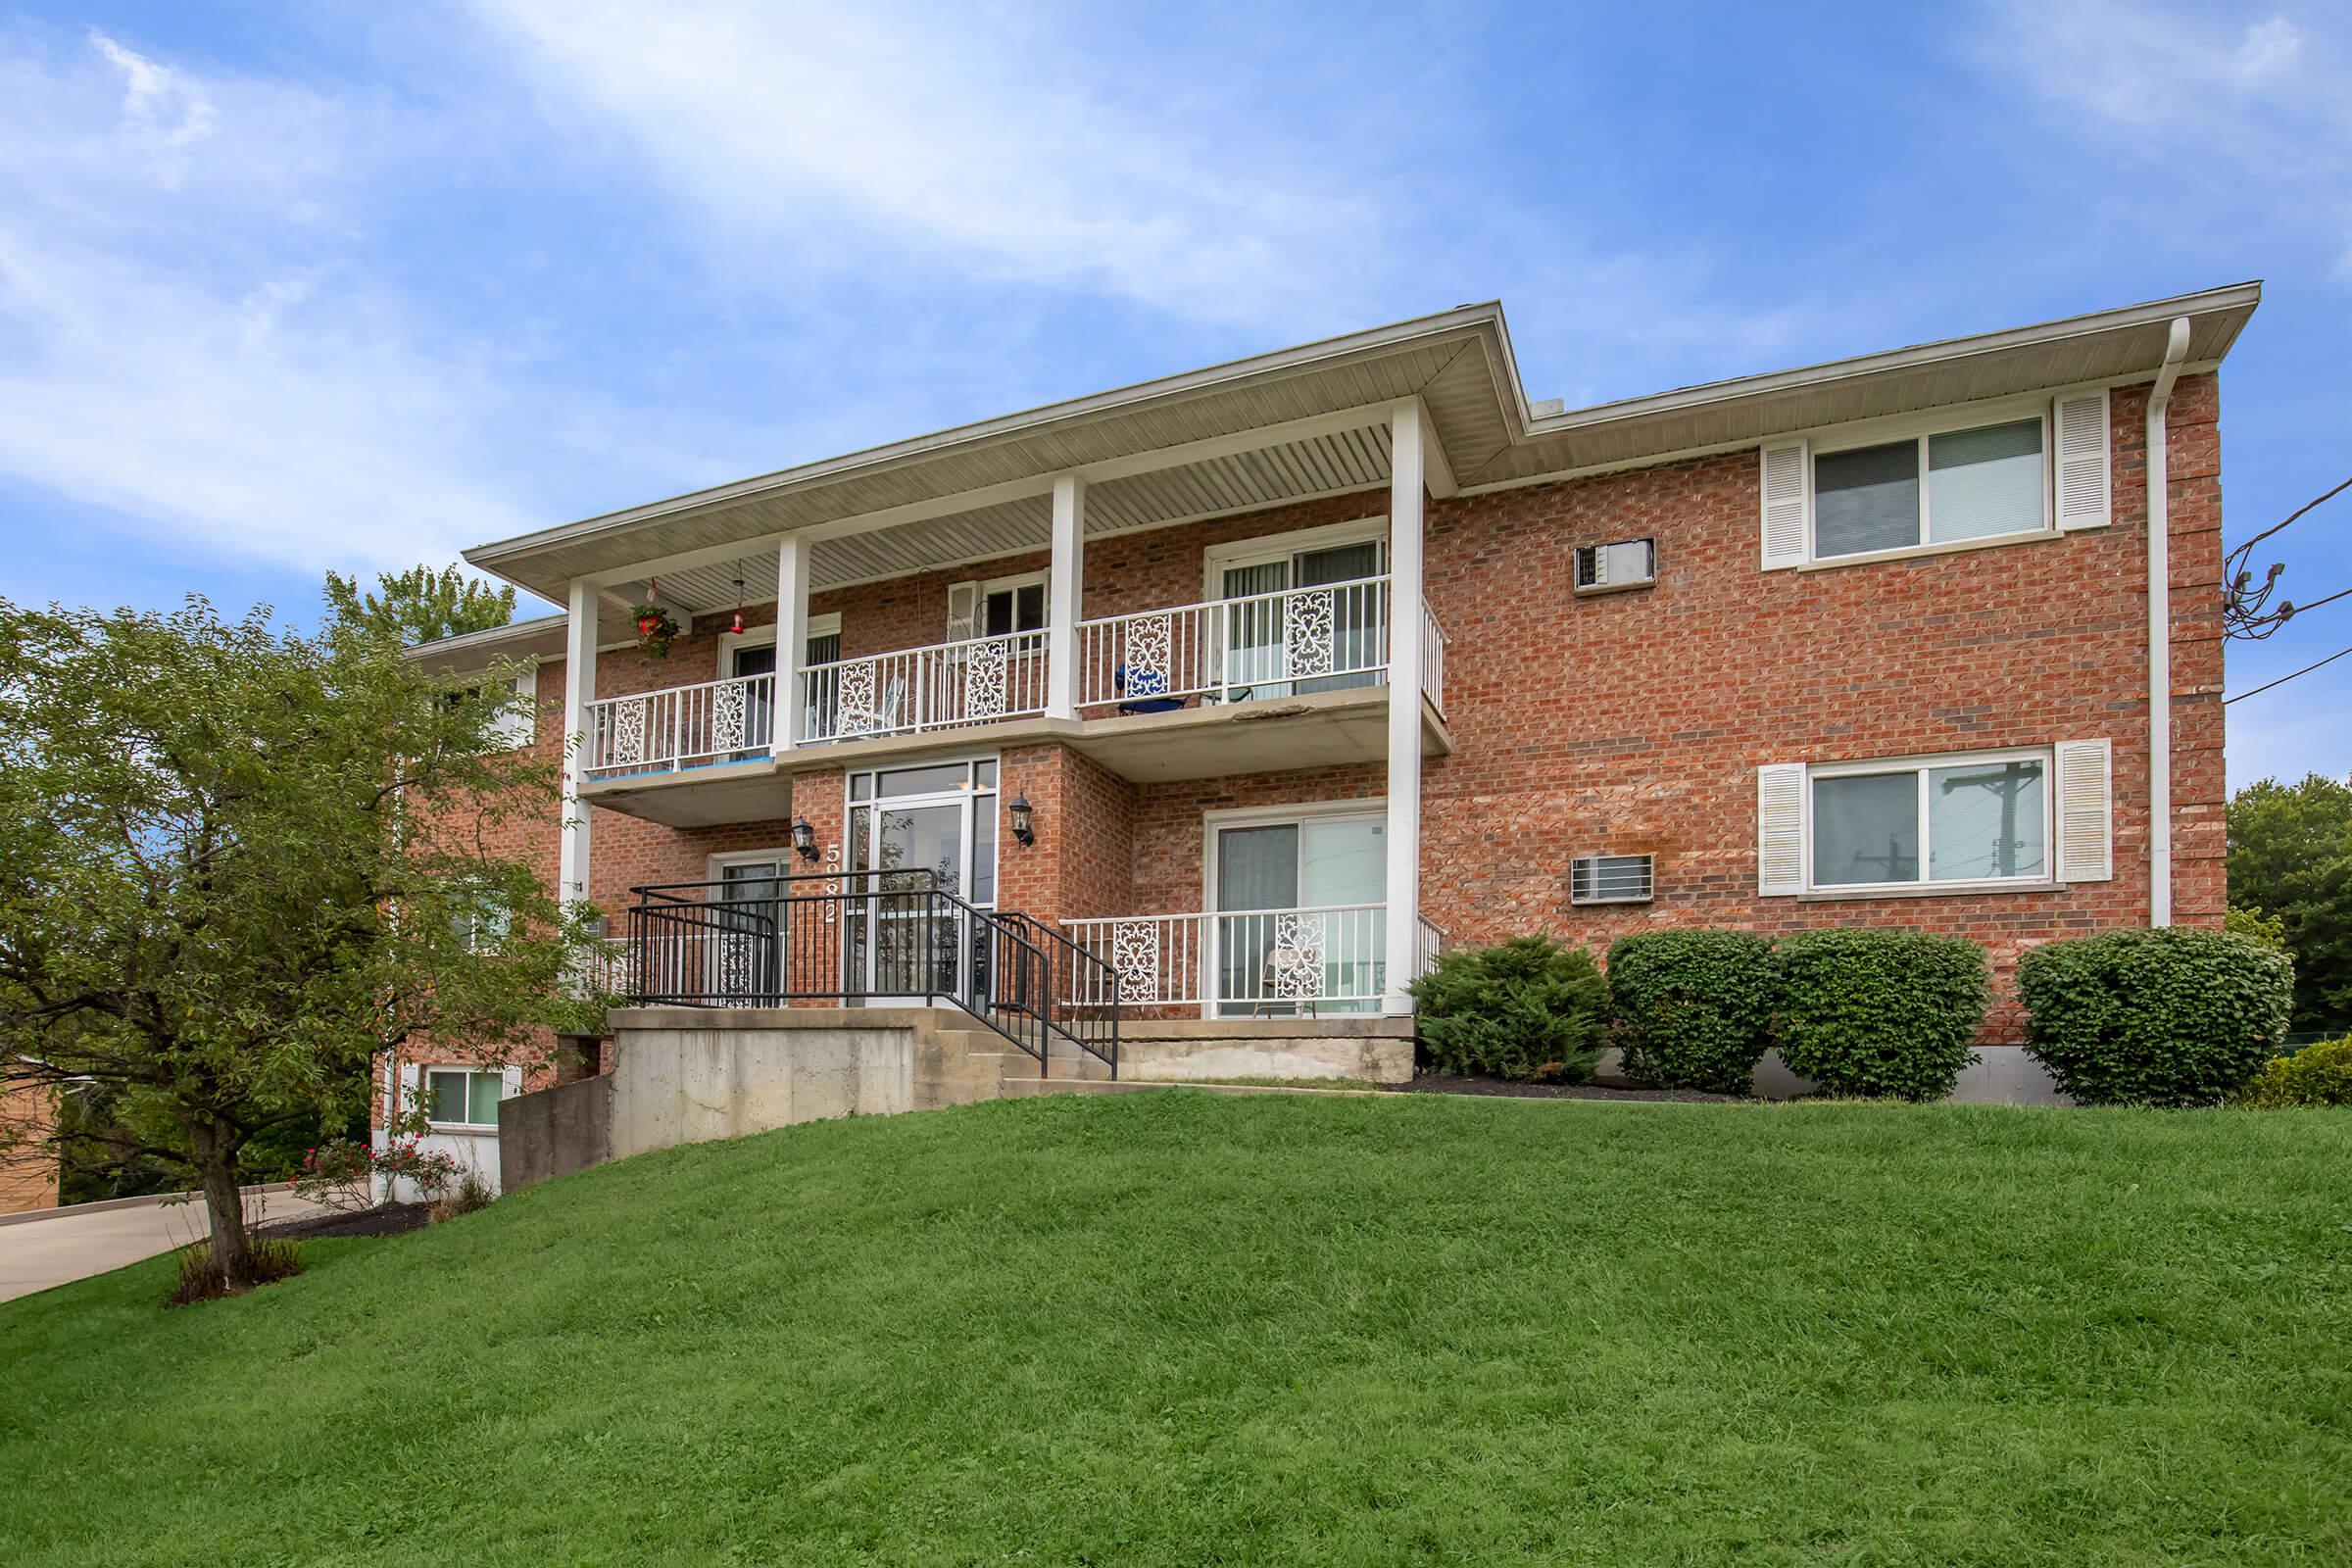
(915, 831)
(748, 936)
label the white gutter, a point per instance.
(2160, 634)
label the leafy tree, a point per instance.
(237, 865)
(2291, 856)
(419, 605)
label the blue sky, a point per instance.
(353, 286)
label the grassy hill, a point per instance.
(1190, 1329)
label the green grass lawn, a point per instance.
(1186, 1328)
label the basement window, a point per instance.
(463, 1096)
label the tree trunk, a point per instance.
(213, 1152)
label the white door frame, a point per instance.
(853, 877)
(1213, 822)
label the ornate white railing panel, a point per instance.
(1272, 962)
(940, 687)
(1232, 650)
(681, 726)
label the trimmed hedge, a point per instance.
(2174, 1017)
(1879, 1013)
(2320, 1074)
(1692, 1008)
(1527, 1008)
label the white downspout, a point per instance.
(2160, 634)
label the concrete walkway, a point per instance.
(60, 1244)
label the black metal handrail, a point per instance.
(861, 937)
(1075, 973)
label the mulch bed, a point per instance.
(385, 1219)
(1444, 1084)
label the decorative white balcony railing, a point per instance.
(681, 726)
(940, 687)
(1267, 963)
(1291, 643)
(1282, 644)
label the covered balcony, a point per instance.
(1148, 683)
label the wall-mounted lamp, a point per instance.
(804, 839)
(1024, 826)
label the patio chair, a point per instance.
(1145, 691)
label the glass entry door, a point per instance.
(1258, 632)
(748, 943)
(1301, 916)
(913, 830)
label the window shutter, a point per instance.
(1781, 828)
(2081, 421)
(1788, 481)
(964, 612)
(2085, 811)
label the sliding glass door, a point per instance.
(1268, 640)
(1299, 915)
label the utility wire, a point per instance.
(2284, 679)
(2233, 636)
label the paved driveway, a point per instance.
(72, 1244)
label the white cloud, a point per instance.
(158, 102)
(2226, 108)
(814, 131)
(185, 343)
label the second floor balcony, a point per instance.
(1145, 684)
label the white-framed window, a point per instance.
(2026, 816)
(1988, 473)
(1621, 563)
(464, 1097)
(1980, 819)
(481, 920)
(518, 725)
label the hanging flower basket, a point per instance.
(656, 630)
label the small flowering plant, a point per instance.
(341, 1172)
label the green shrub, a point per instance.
(1879, 1013)
(2320, 1074)
(2267, 929)
(2177, 1016)
(1529, 1008)
(1692, 1009)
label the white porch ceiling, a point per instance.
(1322, 464)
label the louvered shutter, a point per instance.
(964, 612)
(1788, 504)
(1781, 828)
(2080, 420)
(2085, 811)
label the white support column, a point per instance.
(1405, 469)
(791, 638)
(579, 690)
(1063, 596)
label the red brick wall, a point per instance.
(1631, 723)
(29, 1166)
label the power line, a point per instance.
(2284, 679)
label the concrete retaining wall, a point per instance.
(1172, 1050)
(2004, 1076)
(554, 1132)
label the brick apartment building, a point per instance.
(1305, 664)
